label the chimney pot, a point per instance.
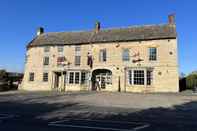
(40, 31)
(97, 27)
(171, 19)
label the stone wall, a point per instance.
(165, 74)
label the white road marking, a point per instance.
(89, 127)
(139, 127)
(121, 122)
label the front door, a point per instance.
(101, 79)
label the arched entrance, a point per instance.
(101, 78)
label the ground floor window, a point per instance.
(130, 77)
(149, 76)
(140, 76)
(45, 77)
(71, 77)
(84, 77)
(78, 77)
(31, 76)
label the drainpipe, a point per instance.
(119, 90)
(125, 79)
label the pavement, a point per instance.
(90, 111)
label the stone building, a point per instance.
(133, 59)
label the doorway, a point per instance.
(101, 78)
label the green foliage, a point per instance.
(191, 80)
(3, 75)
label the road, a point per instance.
(69, 111)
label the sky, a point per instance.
(19, 20)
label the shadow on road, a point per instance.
(179, 117)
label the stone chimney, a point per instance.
(97, 27)
(171, 19)
(40, 31)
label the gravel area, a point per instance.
(103, 99)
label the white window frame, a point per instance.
(131, 70)
(77, 54)
(127, 52)
(85, 78)
(77, 63)
(101, 55)
(44, 60)
(43, 76)
(69, 77)
(31, 79)
(151, 56)
(74, 74)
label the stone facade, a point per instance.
(136, 74)
(165, 68)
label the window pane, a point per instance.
(125, 55)
(152, 54)
(77, 48)
(46, 61)
(130, 77)
(149, 77)
(108, 79)
(83, 78)
(103, 55)
(71, 78)
(138, 77)
(76, 77)
(31, 76)
(45, 77)
(77, 60)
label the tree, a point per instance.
(3, 75)
(191, 80)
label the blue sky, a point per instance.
(20, 18)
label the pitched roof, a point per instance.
(146, 32)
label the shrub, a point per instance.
(191, 80)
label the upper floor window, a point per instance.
(31, 76)
(125, 55)
(60, 48)
(77, 48)
(103, 55)
(46, 49)
(77, 55)
(77, 60)
(46, 60)
(152, 54)
(45, 77)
